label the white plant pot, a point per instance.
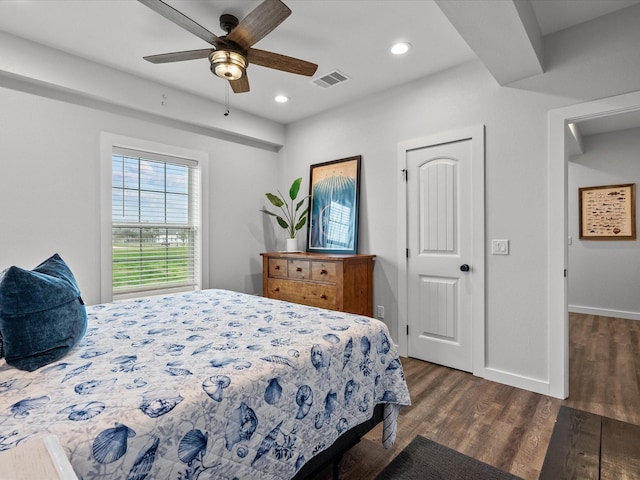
(292, 244)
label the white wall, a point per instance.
(515, 192)
(50, 190)
(604, 275)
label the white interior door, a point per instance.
(440, 267)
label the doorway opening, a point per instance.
(560, 139)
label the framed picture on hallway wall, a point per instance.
(334, 189)
(608, 212)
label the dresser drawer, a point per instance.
(324, 272)
(278, 267)
(315, 295)
(299, 269)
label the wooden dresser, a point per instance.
(336, 282)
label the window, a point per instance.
(154, 222)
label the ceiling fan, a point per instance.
(232, 53)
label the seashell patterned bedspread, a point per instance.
(210, 384)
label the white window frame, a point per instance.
(107, 142)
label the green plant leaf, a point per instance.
(300, 203)
(282, 222)
(268, 212)
(295, 188)
(274, 199)
(301, 223)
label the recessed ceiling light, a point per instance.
(281, 98)
(400, 48)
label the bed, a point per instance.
(208, 384)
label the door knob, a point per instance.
(464, 267)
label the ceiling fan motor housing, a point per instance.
(228, 22)
(227, 61)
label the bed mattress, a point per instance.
(203, 385)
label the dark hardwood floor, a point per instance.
(505, 426)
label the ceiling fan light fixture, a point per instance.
(228, 64)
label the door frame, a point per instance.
(558, 308)
(477, 136)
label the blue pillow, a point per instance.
(42, 315)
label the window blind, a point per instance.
(155, 220)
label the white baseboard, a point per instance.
(518, 381)
(604, 312)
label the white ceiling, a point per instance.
(556, 15)
(352, 36)
(609, 123)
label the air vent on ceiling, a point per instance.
(330, 79)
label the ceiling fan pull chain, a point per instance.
(226, 98)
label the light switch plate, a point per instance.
(500, 247)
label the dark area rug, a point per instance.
(424, 459)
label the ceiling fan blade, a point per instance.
(281, 62)
(179, 56)
(241, 85)
(183, 21)
(262, 20)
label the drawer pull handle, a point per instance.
(298, 269)
(323, 296)
(323, 272)
(277, 289)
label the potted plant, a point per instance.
(292, 218)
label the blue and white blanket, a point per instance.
(211, 384)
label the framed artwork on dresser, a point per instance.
(334, 190)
